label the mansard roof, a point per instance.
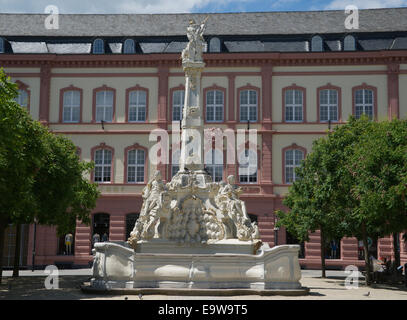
(379, 29)
(250, 23)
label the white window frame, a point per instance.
(247, 176)
(293, 106)
(248, 105)
(71, 107)
(364, 104)
(136, 166)
(214, 164)
(178, 107)
(215, 106)
(296, 163)
(137, 106)
(106, 168)
(104, 105)
(328, 105)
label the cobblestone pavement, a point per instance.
(31, 286)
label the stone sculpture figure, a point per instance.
(153, 194)
(228, 200)
(194, 48)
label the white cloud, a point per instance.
(366, 4)
(108, 6)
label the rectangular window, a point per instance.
(137, 106)
(248, 167)
(248, 105)
(214, 164)
(22, 98)
(103, 165)
(214, 106)
(328, 105)
(293, 106)
(135, 166)
(364, 103)
(71, 106)
(177, 104)
(293, 160)
(104, 106)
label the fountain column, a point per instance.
(192, 119)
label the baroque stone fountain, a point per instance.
(192, 232)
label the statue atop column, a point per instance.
(191, 208)
(195, 46)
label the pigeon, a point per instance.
(125, 298)
(140, 296)
(367, 294)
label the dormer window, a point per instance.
(349, 43)
(98, 46)
(214, 45)
(317, 44)
(129, 46)
(2, 45)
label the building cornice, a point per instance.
(211, 59)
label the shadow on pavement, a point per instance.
(33, 288)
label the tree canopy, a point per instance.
(353, 183)
(42, 178)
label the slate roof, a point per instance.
(252, 23)
(379, 29)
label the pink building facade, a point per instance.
(279, 79)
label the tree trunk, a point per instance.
(323, 268)
(16, 267)
(366, 250)
(396, 250)
(2, 230)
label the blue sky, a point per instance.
(183, 6)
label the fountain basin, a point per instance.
(209, 267)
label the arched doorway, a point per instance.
(131, 219)
(100, 227)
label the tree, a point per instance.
(309, 199)
(355, 181)
(379, 166)
(41, 177)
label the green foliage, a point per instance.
(41, 176)
(353, 183)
